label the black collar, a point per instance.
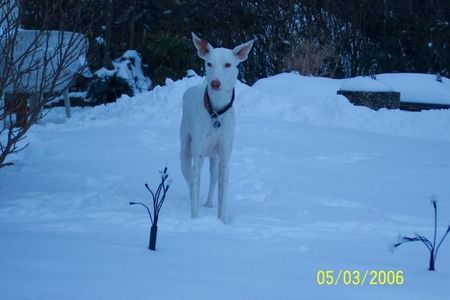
(212, 113)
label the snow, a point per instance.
(292, 97)
(421, 88)
(70, 95)
(416, 88)
(128, 67)
(32, 46)
(364, 84)
(99, 40)
(315, 184)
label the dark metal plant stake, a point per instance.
(158, 198)
(152, 241)
(432, 246)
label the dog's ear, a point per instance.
(203, 47)
(241, 51)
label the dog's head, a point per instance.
(221, 63)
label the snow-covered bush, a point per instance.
(129, 68)
(127, 77)
(107, 89)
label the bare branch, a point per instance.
(34, 65)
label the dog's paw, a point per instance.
(226, 219)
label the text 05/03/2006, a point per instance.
(358, 277)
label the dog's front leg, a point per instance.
(223, 186)
(195, 185)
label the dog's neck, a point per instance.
(219, 99)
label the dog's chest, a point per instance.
(214, 142)
(211, 138)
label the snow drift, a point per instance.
(315, 184)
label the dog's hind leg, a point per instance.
(213, 176)
(223, 184)
(186, 159)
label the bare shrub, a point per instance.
(34, 65)
(312, 58)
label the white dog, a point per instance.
(207, 126)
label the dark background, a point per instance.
(313, 37)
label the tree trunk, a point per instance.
(108, 24)
(132, 25)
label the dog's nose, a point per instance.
(215, 84)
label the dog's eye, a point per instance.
(209, 64)
(227, 65)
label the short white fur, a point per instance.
(199, 139)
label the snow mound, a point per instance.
(291, 84)
(285, 97)
(296, 98)
(418, 88)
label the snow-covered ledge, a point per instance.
(407, 91)
(367, 91)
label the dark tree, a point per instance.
(319, 37)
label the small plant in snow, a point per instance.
(432, 247)
(158, 198)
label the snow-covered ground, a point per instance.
(316, 184)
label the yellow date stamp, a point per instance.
(358, 277)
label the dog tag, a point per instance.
(216, 124)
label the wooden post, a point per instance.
(21, 109)
(67, 103)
